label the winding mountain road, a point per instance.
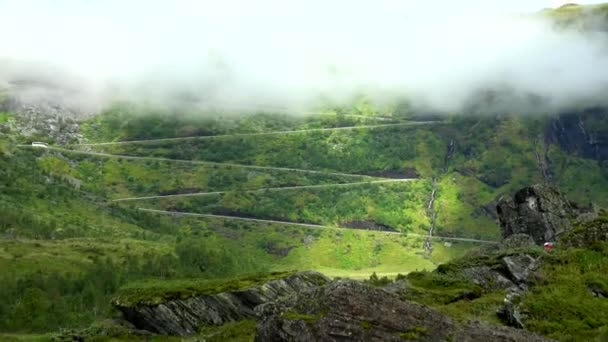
(269, 168)
(308, 225)
(236, 135)
(200, 162)
(298, 187)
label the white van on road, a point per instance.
(39, 144)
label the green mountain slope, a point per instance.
(66, 246)
(66, 198)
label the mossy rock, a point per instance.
(154, 292)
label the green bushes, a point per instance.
(128, 122)
(213, 257)
(434, 288)
(567, 302)
(374, 280)
(398, 206)
(116, 178)
(69, 295)
(5, 116)
(353, 151)
(39, 302)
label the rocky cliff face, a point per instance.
(539, 211)
(54, 122)
(583, 133)
(353, 311)
(49, 122)
(184, 316)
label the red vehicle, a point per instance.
(548, 246)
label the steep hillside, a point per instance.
(462, 165)
(142, 195)
(472, 159)
(66, 247)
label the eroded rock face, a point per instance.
(539, 211)
(353, 311)
(184, 316)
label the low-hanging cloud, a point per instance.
(296, 54)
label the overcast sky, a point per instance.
(278, 51)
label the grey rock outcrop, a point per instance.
(520, 269)
(511, 272)
(184, 316)
(520, 266)
(539, 211)
(487, 277)
(510, 313)
(353, 311)
(57, 123)
(47, 118)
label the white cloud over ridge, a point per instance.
(292, 53)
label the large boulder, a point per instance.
(353, 311)
(539, 211)
(520, 266)
(182, 311)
